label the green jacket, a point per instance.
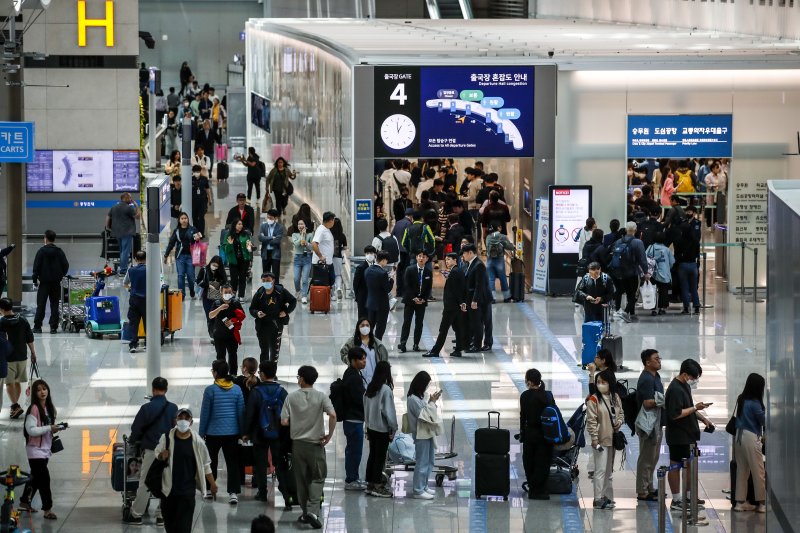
(230, 254)
(381, 354)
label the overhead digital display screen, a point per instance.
(439, 112)
(569, 209)
(680, 136)
(65, 171)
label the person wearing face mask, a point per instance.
(228, 316)
(210, 279)
(650, 398)
(301, 247)
(154, 418)
(400, 205)
(359, 284)
(365, 339)
(682, 429)
(188, 469)
(604, 416)
(354, 385)
(271, 234)
(271, 306)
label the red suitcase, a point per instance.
(320, 299)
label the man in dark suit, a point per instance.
(207, 139)
(359, 282)
(479, 307)
(379, 284)
(271, 234)
(455, 307)
(417, 284)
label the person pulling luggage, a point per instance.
(271, 306)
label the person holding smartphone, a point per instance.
(422, 415)
(682, 428)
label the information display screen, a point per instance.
(436, 112)
(260, 111)
(569, 209)
(84, 171)
(680, 136)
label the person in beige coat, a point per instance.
(604, 416)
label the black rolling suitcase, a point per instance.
(612, 343)
(222, 170)
(492, 462)
(516, 280)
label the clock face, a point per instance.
(398, 131)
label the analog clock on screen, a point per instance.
(398, 132)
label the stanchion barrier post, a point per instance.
(694, 452)
(741, 273)
(662, 499)
(704, 254)
(684, 490)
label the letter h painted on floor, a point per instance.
(96, 452)
(107, 23)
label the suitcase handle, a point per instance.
(498, 419)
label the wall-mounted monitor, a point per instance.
(260, 111)
(82, 171)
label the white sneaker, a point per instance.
(208, 495)
(744, 507)
(233, 499)
(304, 300)
(430, 491)
(333, 297)
(423, 496)
(392, 303)
(339, 294)
(762, 508)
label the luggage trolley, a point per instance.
(74, 292)
(125, 473)
(440, 471)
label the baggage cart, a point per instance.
(126, 473)
(439, 471)
(74, 292)
(171, 314)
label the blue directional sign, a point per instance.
(16, 142)
(680, 136)
(364, 210)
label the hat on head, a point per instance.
(184, 410)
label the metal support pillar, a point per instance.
(186, 168)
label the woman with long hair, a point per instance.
(364, 338)
(381, 423)
(40, 427)
(210, 279)
(604, 416)
(301, 246)
(181, 240)
(603, 360)
(173, 167)
(278, 183)
(536, 451)
(304, 214)
(238, 249)
(747, 445)
(339, 247)
(421, 407)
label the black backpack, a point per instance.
(337, 398)
(621, 263)
(416, 239)
(390, 246)
(630, 405)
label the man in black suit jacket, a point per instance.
(417, 285)
(479, 306)
(379, 284)
(359, 283)
(455, 307)
(207, 138)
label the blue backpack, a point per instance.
(554, 428)
(269, 419)
(621, 264)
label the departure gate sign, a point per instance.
(679, 136)
(107, 23)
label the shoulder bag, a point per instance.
(618, 439)
(730, 427)
(153, 480)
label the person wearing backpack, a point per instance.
(604, 417)
(685, 178)
(387, 242)
(662, 261)
(496, 246)
(627, 263)
(222, 423)
(262, 426)
(347, 396)
(536, 450)
(595, 290)
(418, 237)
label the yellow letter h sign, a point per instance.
(107, 23)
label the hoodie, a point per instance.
(19, 333)
(50, 265)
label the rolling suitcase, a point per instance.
(319, 299)
(612, 343)
(492, 475)
(320, 275)
(559, 481)
(492, 439)
(222, 170)
(120, 470)
(592, 333)
(174, 311)
(516, 280)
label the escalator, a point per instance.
(449, 9)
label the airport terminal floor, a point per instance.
(98, 386)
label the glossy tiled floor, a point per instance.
(98, 387)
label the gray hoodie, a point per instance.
(379, 413)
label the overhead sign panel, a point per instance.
(16, 142)
(680, 136)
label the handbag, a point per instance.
(648, 292)
(618, 440)
(153, 480)
(213, 293)
(56, 446)
(289, 188)
(199, 252)
(730, 427)
(33, 372)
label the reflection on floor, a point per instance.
(98, 387)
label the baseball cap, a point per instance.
(184, 410)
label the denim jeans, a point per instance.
(302, 274)
(687, 276)
(496, 268)
(125, 249)
(354, 432)
(185, 268)
(424, 465)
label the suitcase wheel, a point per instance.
(439, 480)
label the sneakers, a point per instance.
(423, 496)
(313, 521)
(392, 303)
(304, 300)
(208, 495)
(590, 474)
(132, 520)
(134, 349)
(677, 505)
(339, 294)
(762, 508)
(379, 491)
(233, 499)
(16, 411)
(159, 521)
(604, 504)
(430, 491)
(355, 485)
(744, 507)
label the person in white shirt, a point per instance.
(202, 160)
(430, 175)
(323, 244)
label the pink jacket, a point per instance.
(667, 190)
(40, 436)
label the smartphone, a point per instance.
(710, 429)
(708, 403)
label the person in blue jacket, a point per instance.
(222, 423)
(154, 418)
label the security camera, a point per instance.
(551, 53)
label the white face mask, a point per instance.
(183, 425)
(693, 383)
(227, 297)
(364, 330)
(370, 258)
(271, 221)
(602, 388)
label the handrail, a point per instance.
(433, 9)
(466, 9)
